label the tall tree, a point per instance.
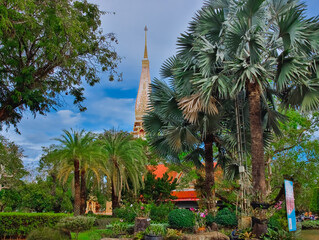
(171, 134)
(48, 48)
(294, 155)
(76, 154)
(124, 159)
(263, 44)
(11, 165)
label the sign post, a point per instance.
(290, 205)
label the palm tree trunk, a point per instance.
(257, 146)
(77, 189)
(115, 200)
(83, 192)
(209, 173)
(257, 155)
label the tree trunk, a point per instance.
(115, 200)
(257, 153)
(83, 192)
(209, 173)
(56, 203)
(77, 189)
(54, 180)
(141, 223)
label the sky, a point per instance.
(112, 104)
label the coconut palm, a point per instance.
(124, 159)
(76, 154)
(258, 45)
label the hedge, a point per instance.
(21, 224)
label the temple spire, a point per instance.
(142, 100)
(145, 50)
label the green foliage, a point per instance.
(101, 221)
(155, 230)
(124, 161)
(294, 155)
(54, 51)
(119, 227)
(126, 213)
(159, 213)
(21, 224)
(76, 224)
(314, 205)
(246, 234)
(310, 224)
(181, 219)
(173, 234)
(47, 233)
(274, 223)
(277, 235)
(140, 235)
(11, 168)
(210, 219)
(38, 197)
(226, 217)
(158, 189)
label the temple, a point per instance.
(142, 95)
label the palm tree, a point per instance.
(173, 127)
(258, 45)
(77, 153)
(124, 159)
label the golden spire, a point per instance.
(145, 50)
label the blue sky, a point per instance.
(111, 104)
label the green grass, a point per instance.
(95, 234)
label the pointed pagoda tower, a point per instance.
(143, 94)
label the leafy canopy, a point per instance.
(48, 48)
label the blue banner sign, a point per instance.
(290, 205)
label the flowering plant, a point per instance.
(271, 211)
(141, 209)
(200, 217)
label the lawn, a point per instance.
(95, 234)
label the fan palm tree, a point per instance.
(256, 45)
(170, 132)
(77, 153)
(124, 159)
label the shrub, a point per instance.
(47, 233)
(310, 224)
(226, 217)
(159, 213)
(181, 218)
(209, 219)
(76, 224)
(274, 223)
(21, 224)
(102, 222)
(279, 234)
(173, 234)
(126, 213)
(119, 227)
(7, 209)
(155, 230)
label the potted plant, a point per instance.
(154, 232)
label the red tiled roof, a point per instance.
(185, 195)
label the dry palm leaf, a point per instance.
(193, 104)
